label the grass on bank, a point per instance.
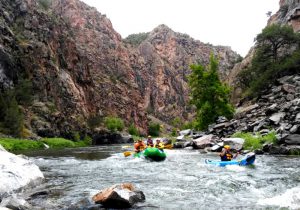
(11, 144)
(256, 141)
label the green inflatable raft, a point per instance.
(152, 153)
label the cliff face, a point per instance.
(166, 56)
(288, 14)
(80, 67)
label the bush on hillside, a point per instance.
(94, 121)
(11, 116)
(154, 129)
(132, 130)
(24, 92)
(114, 124)
(136, 39)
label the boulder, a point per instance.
(16, 172)
(185, 132)
(197, 135)
(234, 143)
(188, 144)
(244, 110)
(16, 203)
(217, 147)
(180, 138)
(289, 88)
(179, 144)
(294, 129)
(293, 139)
(277, 117)
(278, 150)
(221, 119)
(119, 196)
(204, 141)
(103, 137)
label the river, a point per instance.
(182, 181)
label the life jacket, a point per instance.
(227, 156)
(159, 145)
(138, 147)
(149, 143)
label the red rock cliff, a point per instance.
(80, 66)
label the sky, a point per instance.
(233, 23)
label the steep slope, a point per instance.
(288, 14)
(81, 69)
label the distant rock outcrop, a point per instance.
(80, 67)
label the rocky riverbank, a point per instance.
(277, 110)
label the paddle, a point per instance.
(127, 153)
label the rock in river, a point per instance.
(119, 196)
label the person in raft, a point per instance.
(226, 154)
(159, 145)
(139, 146)
(149, 142)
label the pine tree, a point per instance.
(208, 94)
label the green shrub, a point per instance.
(136, 39)
(11, 116)
(11, 144)
(132, 130)
(256, 141)
(58, 142)
(24, 92)
(176, 122)
(269, 138)
(154, 129)
(94, 121)
(76, 136)
(294, 152)
(88, 140)
(114, 124)
(188, 125)
(174, 132)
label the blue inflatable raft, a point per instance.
(247, 160)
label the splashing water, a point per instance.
(182, 181)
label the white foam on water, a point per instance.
(235, 168)
(137, 160)
(289, 199)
